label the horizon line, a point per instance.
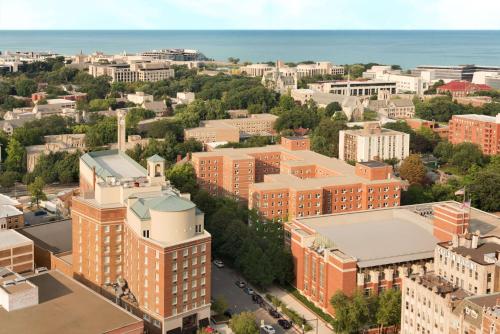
(242, 29)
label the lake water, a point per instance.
(406, 48)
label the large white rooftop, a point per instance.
(11, 238)
(377, 237)
(113, 163)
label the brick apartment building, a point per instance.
(461, 294)
(289, 180)
(16, 252)
(477, 129)
(371, 250)
(137, 238)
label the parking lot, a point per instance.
(223, 284)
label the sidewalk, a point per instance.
(292, 303)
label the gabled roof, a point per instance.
(463, 85)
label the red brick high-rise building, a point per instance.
(477, 129)
(136, 237)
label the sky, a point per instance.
(250, 14)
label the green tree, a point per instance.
(220, 305)
(15, 156)
(325, 137)
(352, 314)
(244, 323)
(135, 115)
(102, 133)
(26, 87)
(485, 190)
(183, 177)
(465, 155)
(36, 191)
(8, 179)
(412, 169)
(443, 151)
(389, 308)
(332, 108)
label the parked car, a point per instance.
(40, 213)
(268, 329)
(240, 284)
(228, 313)
(257, 299)
(285, 324)
(275, 314)
(249, 291)
(219, 263)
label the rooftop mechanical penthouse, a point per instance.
(289, 180)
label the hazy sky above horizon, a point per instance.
(250, 14)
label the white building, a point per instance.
(318, 68)
(373, 143)
(256, 70)
(405, 83)
(139, 98)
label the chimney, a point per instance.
(454, 241)
(475, 240)
(179, 157)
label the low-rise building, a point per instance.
(343, 252)
(70, 143)
(393, 108)
(281, 79)
(140, 97)
(354, 88)
(405, 83)
(231, 130)
(351, 106)
(52, 243)
(373, 143)
(256, 70)
(318, 69)
(54, 303)
(184, 97)
(481, 130)
(11, 214)
(461, 88)
(475, 101)
(136, 71)
(16, 251)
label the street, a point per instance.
(223, 285)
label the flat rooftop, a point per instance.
(441, 286)
(11, 238)
(65, 306)
(343, 173)
(377, 237)
(113, 163)
(481, 118)
(53, 236)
